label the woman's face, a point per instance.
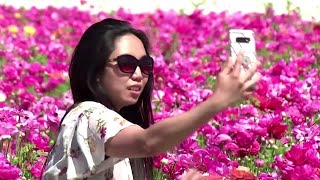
(124, 89)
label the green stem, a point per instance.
(172, 169)
(159, 174)
(18, 145)
(18, 149)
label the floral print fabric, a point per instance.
(79, 152)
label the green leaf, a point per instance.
(209, 40)
(201, 140)
(289, 6)
(182, 12)
(316, 118)
(211, 80)
(158, 174)
(157, 106)
(206, 59)
(316, 45)
(268, 5)
(264, 52)
(39, 58)
(2, 61)
(193, 51)
(316, 65)
(275, 26)
(32, 90)
(59, 90)
(197, 4)
(52, 137)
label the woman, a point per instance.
(106, 134)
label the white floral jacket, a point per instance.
(79, 151)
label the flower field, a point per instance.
(275, 134)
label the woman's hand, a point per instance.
(233, 85)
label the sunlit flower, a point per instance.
(17, 15)
(164, 161)
(3, 96)
(13, 29)
(30, 30)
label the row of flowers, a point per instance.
(273, 135)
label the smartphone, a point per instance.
(243, 39)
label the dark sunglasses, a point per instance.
(128, 63)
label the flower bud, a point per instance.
(259, 162)
(164, 161)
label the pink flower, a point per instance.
(297, 154)
(272, 103)
(7, 130)
(7, 170)
(294, 113)
(222, 138)
(277, 130)
(36, 168)
(189, 51)
(82, 2)
(259, 162)
(244, 139)
(273, 122)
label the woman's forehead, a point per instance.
(128, 44)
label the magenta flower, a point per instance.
(294, 113)
(7, 170)
(189, 51)
(297, 154)
(244, 139)
(277, 130)
(275, 127)
(300, 172)
(269, 176)
(36, 168)
(222, 138)
(7, 130)
(259, 162)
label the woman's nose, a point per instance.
(137, 74)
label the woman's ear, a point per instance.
(98, 77)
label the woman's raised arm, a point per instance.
(134, 141)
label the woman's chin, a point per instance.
(131, 101)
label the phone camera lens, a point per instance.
(242, 40)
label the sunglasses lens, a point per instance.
(147, 65)
(127, 64)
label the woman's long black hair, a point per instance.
(87, 64)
